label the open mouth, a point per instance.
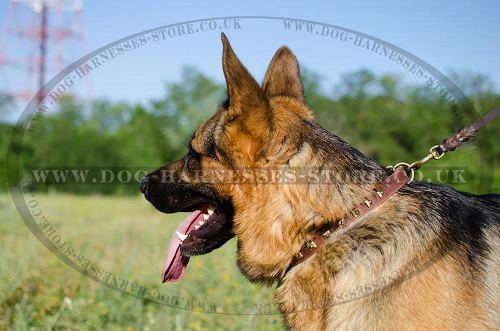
(207, 227)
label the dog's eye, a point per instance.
(190, 157)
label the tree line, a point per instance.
(379, 114)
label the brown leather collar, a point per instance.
(391, 185)
(381, 194)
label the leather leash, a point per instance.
(402, 175)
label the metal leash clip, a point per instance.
(434, 154)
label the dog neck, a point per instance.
(305, 207)
(347, 177)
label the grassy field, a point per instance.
(126, 236)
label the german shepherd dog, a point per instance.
(428, 258)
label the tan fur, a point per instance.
(392, 270)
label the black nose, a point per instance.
(143, 184)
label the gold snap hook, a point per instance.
(433, 154)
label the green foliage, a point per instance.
(380, 115)
(186, 105)
(393, 122)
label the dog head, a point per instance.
(265, 126)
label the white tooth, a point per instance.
(201, 223)
(205, 217)
(196, 227)
(181, 236)
(210, 211)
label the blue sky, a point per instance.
(449, 35)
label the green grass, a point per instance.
(126, 236)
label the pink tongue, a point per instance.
(175, 264)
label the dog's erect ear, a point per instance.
(283, 76)
(243, 91)
(248, 117)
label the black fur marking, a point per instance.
(464, 219)
(226, 104)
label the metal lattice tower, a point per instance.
(40, 38)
